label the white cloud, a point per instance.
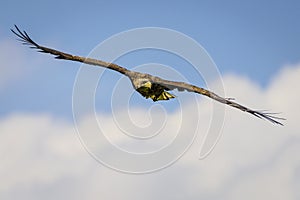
(42, 158)
(30, 146)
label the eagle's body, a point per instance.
(147, 85)
(143, 84)
(154, 91)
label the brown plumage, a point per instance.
(147, 85)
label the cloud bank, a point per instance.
(42, 157)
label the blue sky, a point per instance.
(253, 39)
(255, 45)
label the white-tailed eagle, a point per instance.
(147, 85)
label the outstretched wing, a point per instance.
(25, 39)
(181, 86)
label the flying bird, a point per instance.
(147, 85)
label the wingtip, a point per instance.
(268, 117)
(23, 36)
